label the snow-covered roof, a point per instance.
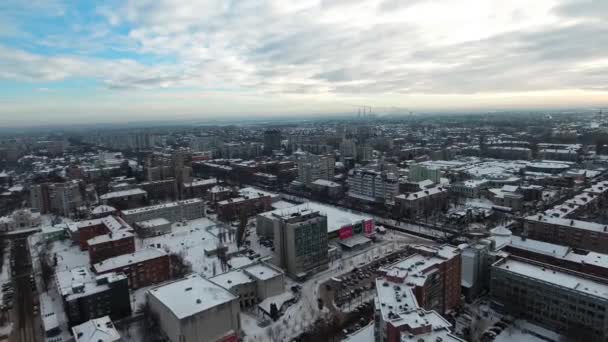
(96, 330)
(161, 206)
(123, 193)
(201, 182)
(255, 192)
(128, 259)
(336, 217)
(79, 282)
(233, 278)
(155, 222)
(327, 183)
(262, 272)
(101, 209)
(109, 237)
(423, 193)
(554, 277)
(592, 226)
(191, 295)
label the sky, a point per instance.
(80, 61)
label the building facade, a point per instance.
(300, 242)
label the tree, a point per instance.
(274, 312)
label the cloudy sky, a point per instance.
(150, 59)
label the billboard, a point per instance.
(368, 227)
(345, 232)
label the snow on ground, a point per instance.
(192, 238)
(305, 311)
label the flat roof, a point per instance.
(191, 295)
(123, 193)
(336, 217)
(232, 278)
(591, 226)
(262, 271)
(554, 277)
(109, 237)
(161, 206)
(96, 330)
(128, 259)
(155, 222)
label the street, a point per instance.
(23, 315)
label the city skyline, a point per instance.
(152, 60)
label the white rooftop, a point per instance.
(128, 259)
(262, 272)
(233, 278)
(96, 330)
(161, 206)
(191, 295)
(592, 226)
(554, 277)
(123, 193)
(109, 237)
(336, 217)
(155, 222)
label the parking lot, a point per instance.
(358, 284)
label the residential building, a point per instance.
(342, 224)
(234, 208)
(58, 198)
(300, 242)
(373, 186)
(424, 202)
(153, 227)
(125, 199)
(411, 293)
(253, 283)
(327, 188)
(190, 209)
(81, 232)
(96, 330)
(86, 296)
(143, 267)
(312, 167)
(574, 233)
(570, 303)
(272, 141)
(109, 245)
(195, 309)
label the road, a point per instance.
(24, 318)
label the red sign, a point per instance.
(368, 227)
(229, 338)
(345, 232)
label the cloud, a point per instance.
(325, 48)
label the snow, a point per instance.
(554, 277)
(592, 226)
(125, 260)
(279, 300)
(282, 205)
(262, 272)
(191, 295)
(523, 331)
(109, 237)
(232, 278)
(336, 217)
(96, 330)
(123, 193)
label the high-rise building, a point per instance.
(272, 141)
(571, 303)
(58, 198)
(312, 167)
(300, 242)
(373, 186)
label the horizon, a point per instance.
(135, 61)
